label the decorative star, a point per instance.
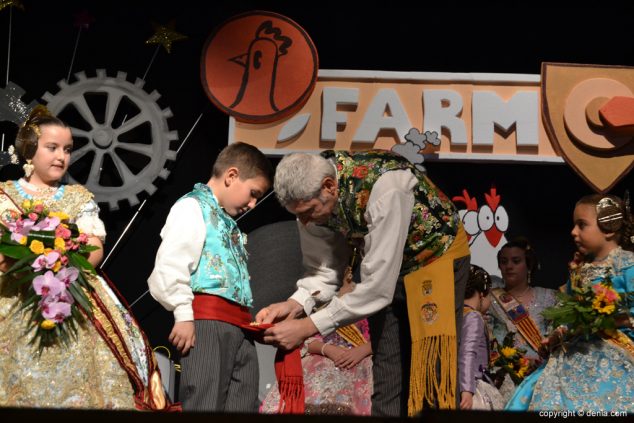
(83, 19)
(165, 35)
(11, 3)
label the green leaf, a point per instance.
(15, 251)
(79, 296)
(81, 262)
(87, 248)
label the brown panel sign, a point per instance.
(585, 111)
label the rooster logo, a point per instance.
(260, 66)
(492, 220)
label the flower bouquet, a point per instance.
(590, 310)
(507, 359)
(50, 259)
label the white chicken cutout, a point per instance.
(485, 228)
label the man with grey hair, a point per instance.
(413, 272)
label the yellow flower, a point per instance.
(47, 324)
(23, 240)
(60, 244)
(508, 352)
(57, 266)
(26, 204)
(598, 304)
(37, 247)
(61, 215)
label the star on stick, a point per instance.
(165, 35)
(11, 3)
(83, 19)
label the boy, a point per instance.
(201, 275)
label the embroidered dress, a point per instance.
(589, 375)
(330, 390)
(85, 374)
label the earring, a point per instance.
(528, 277)
(28, 168)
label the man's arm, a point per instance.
(388, 215)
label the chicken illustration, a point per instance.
(260, 68)
(490, 220)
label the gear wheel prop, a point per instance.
(115, 161)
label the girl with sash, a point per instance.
(595, 374)
(337, 370)
(517, 307)
(109, 364)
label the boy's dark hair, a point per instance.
(532, 263)
(479, 281)
(250, 161)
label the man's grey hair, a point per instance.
(298, 177)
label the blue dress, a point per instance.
(590, 375)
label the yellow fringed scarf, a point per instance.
(431, 311)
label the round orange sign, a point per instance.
(259, 67)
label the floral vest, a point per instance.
(222, 269)
(434, 221)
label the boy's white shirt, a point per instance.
(183, 239)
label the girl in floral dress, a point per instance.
(108, 364)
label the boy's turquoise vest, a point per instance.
(434, 221)
(222, 269)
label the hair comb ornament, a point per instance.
(609, 215)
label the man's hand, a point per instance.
(183, 336)
(288, 309)
(290, 333)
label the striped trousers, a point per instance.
(221, 373)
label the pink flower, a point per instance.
(20, 228)
(48, 285)
(47, 224)
(45, 261)
(33, 216)
(39, 208)
(62, 232)
(71, 246)
(67, 275)
(53, 310)
(64, 260)
(609, 294)
(82, 239)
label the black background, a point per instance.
(428, 37)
